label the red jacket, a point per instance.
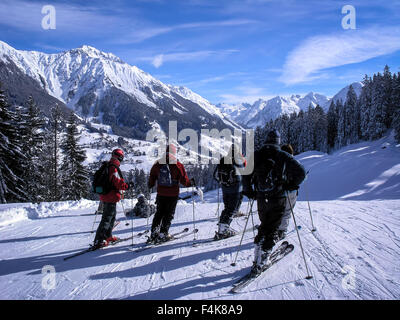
(114, 195)
(178, 173)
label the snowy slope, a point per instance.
(357, 238)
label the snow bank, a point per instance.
(362, 171)
(11, 213)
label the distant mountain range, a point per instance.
(262, 111)
(102, 88)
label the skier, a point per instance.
(290, 201)
(142, 209)
(168, 174)
(227, 174)
(275, 172)
(103, 235)
(100, 208)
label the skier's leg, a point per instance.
(170, 207)
(231, 201)
(158, 215)
(103, 230)
(282, 229)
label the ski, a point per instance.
(91, 248)
(283, 250)
(213, 239)
(175, 236)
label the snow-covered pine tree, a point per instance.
(332, 126)
(365, 101)
(377, 127)
(320, 129)
(352, 117)
(11, 183)
(32, 147)
(396, 102)
(74, 175)
(388, 103)
(341, 127)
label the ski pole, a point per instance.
(298, 235)
(94, 222)
(244, 230)
(309, 208)
(217, 213)
(194, 223)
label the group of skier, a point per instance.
(273, 185)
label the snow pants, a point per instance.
(292, 197)
(164, 213)
(106, 225)
(270, 212)
(232, 202)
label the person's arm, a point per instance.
(118, 183)
(295, 172)
(183, 179)
(153, 176)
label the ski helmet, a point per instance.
(273, 137)
(141, 197)
(119, 154)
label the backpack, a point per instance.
(101, 181)
(267, 178)
(227, 175)
(165, 178)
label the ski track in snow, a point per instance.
(360, 234)
(359, 237)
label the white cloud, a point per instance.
(315, 54)
(158, 61)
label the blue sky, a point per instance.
(227, 51)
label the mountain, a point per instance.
(101, 87)
(262, 111)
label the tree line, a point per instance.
(366, 117)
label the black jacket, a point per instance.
(292, 170)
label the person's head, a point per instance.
(273, 137)
(141, 197)
(118, 154)
(287, 148)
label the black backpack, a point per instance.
(226, 174)
(268, 178)
(101, 182)
(165, 178)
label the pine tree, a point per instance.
(320, 129)
(352, 117)
(332, 126)
(74, 175)
(11, 182)
(365, 103)
(377, 127)
(396, 102)
(341, 127)
(33, 149)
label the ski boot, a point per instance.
(164, 237)
(154, 236)
(261, 258)
(224, 231)
(98, 244)
(112, 240)
(279, 235)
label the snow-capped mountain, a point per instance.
(262, 111)
(100, 85)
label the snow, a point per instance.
(354, 254)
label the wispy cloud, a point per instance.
(308, 61)
(158, 60)
(146, 32)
